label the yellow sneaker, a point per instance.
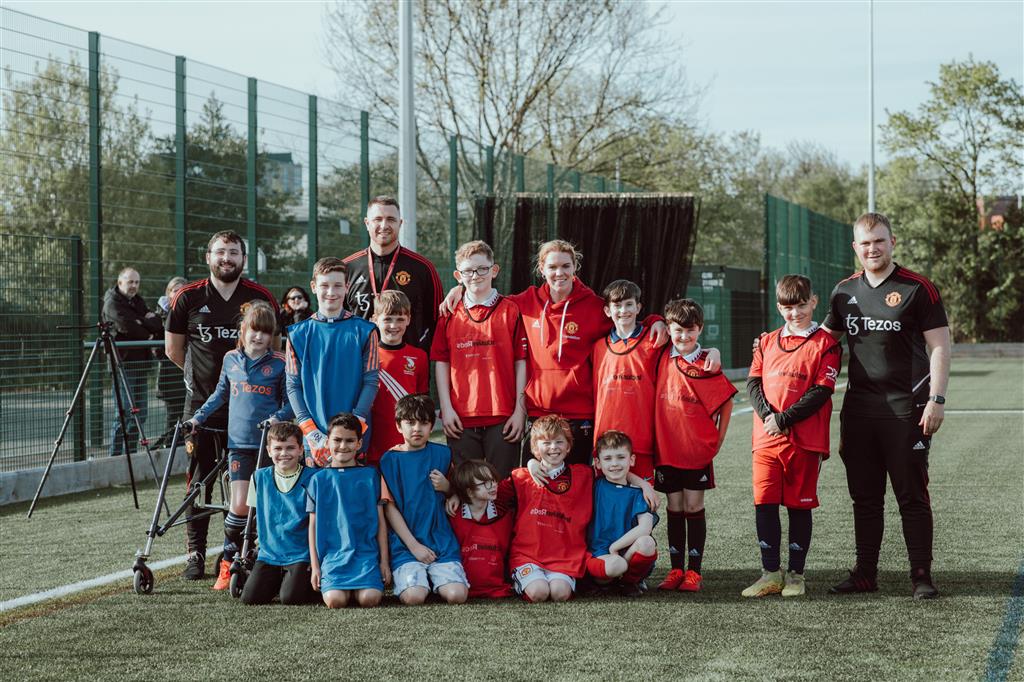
(224, 577)
(795, 586)
(768, 583)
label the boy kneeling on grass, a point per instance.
(484, 532)
(348, 546)
(278, 495)
(425, 554)
(619, 537)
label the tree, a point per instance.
(968, 141)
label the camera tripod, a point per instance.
(120, 384)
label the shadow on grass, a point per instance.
(971, 372)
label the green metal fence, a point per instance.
(129, 156)
(801, 242)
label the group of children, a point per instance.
(373, 502)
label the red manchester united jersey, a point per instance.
(789, 366)
(485, 546)
(551, 521)
(687, 400)
(481, 345)
(624, 384)
(404, 369)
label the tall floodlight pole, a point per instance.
(406, 126)
(871, 104)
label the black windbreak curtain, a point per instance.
(646, 238)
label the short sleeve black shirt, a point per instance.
(885, 325)
(210, 325)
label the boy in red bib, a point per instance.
(792, 378)
(404, 370)
(624, 376)
(549, 543)
(480, 365)
(484, 532)
(691, 416)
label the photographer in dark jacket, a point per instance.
(132, 321)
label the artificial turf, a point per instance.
(185, 631)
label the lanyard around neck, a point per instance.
(387, 276)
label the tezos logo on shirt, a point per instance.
(856, 324)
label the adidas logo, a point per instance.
(764, 545)
(853, 299)
(205, 309)
(919, 445)
(704, 478)
(672, 550)
(795, 546)
(694, 552)
(536, 324)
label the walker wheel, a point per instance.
(237, 584)
(143, 581)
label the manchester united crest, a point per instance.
(561, 487)
(403, 278)
(572, 328)
(267, 371)
(893, 299)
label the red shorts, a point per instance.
(784, 474)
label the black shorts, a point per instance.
(672, 480)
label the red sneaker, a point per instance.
(691, 582)
(224, 577)
(673, 580)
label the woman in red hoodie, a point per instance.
(563, 318)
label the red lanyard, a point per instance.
(391, 268)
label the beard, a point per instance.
(225, 275)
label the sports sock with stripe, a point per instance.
(697, 532)
(234, 527)
(799, 538)
(769, 535)
(677, 539)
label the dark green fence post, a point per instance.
(250, 185)
(520, 172)
(180, 235)
(551, 201)
(75, 336)
(489, 170)
(313, 221)
(600, 184)
(575, 181)
(364, 171)
(95, 232)
(453, 198)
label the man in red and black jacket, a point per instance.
(387, 265)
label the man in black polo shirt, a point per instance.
(202, 326)
(898, 335)
(387, 265)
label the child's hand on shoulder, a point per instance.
(538, 472)
(451, 505)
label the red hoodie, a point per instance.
(560, 337)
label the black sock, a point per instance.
(234, 527)
(799, 538)
(697, 530)
(769, 535)
(677, 539)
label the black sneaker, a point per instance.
(195, 566)
(857, 582)
(924, 588)
(630, 590)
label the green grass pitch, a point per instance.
(185, 631)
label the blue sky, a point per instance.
(790, 70)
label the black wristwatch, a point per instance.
(940, 399)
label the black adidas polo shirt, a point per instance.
(885, 325)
